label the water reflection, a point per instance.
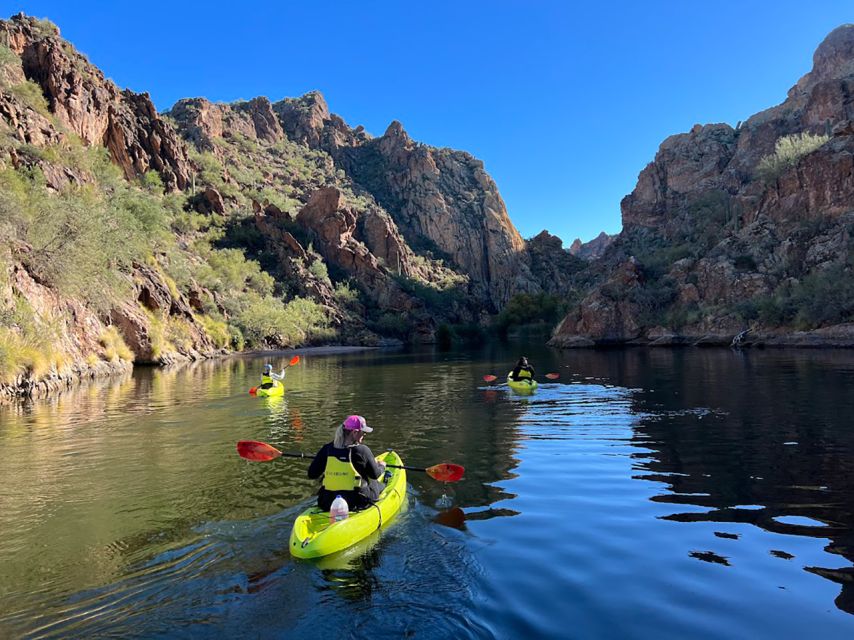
(645, 485)
(767, 447)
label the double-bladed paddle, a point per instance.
(294, 360)
(263, 452)
(492, 378)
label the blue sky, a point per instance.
(564, 102)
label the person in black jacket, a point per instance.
(348, 467)
(523, 370)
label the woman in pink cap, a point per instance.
(348, 467)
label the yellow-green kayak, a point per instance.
(526, 385)
(313, 536)
(276, 389)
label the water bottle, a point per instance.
(339, 510)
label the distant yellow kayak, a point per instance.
(526, 385)
(313, 536)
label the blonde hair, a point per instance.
(339, 440)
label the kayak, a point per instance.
(314, 537)
(276, 389)
(526, 385)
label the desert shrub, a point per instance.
(820, 298)
(114, 346)
(653, 300)
(28, 343)
(530, 308)
(151, 181)
(157, 335)
(390, 324)
(788, 150)
(318, 268)
(345, 295)
(32, 95)
(8, 57)
(265, 319)
(217, 330)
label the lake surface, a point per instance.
(646, 494)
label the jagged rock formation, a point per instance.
(593, 249)
(442, 201)
(724, 243)
(446, 200)
(554, 266)
(93, 107)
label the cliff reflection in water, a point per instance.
(761, 437)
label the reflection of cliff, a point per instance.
(758, 438)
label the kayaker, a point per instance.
(348, 467)
(523, 370)
(268, 376)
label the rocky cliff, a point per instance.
(745, 228)
(138, 237)
(441, 201)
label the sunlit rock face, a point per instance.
(724, 244)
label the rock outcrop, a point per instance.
(593, 249)
(91, 106)
(723, 242)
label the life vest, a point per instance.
(266, 381)
(341, 476)
(524, 373)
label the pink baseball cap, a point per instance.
(356, 423)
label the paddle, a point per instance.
(263, 452)
(294, 360)
(492, 378)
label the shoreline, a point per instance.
(78, 375)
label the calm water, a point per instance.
(646, 494)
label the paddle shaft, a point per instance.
(390, 466)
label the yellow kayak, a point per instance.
(526, 385)
(313, 536)
(276, 389)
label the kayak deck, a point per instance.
(313, 536)
(525, 386)
(277, 389)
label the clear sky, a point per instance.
(564, 102)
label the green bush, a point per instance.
(787, 152)
(318, 268)
(8, 57)
(530, 308)
(821, 298)
(266, 320)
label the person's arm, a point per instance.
(318, 465)
(514, 375)
(531, 369)
(366, 464)
(278, 376)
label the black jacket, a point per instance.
(514, 375)
(366, 466)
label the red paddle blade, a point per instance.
(252, 391)
(553, 376)
(446, 472)
(490, 378)
(293, 361)
(257, 451)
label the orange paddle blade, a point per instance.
(294, 360)
(446, 472)
(252, 391)
(257, 451)
(490, 378)
(553, 376)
